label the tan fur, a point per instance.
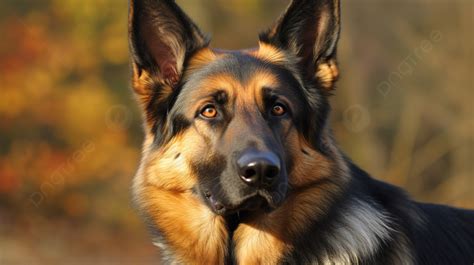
(196, 235)
(259, 242)
(200, 59)
(168, 168)
(269, 53)
(327, 73)
(143, 84)
(251, 96)
(222, 82)
(163, 185)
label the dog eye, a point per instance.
(209, 112)
(278, 109)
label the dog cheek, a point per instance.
(169, 170)
(304, 163)
(172, 166)
(291, 151)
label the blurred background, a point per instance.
(70, 133)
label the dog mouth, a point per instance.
(258, 202)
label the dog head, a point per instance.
(240, 129)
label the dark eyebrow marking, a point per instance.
(221, 97)
(269, 96)
(268, 89)
(218, 95)
(269, 93)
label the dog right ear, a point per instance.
(161, 37)
(309, 29)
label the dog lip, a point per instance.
(250, 204)
(215, 204)
(259, 200)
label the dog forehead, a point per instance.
(232, 72)
(238, 65)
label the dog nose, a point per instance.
(258, 168)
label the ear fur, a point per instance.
(161, 38)
(309, 29)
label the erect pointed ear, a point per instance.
(309, 29)
(161, 37)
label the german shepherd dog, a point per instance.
(239, 165)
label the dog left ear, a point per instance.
(309, 29)
(161, 38)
